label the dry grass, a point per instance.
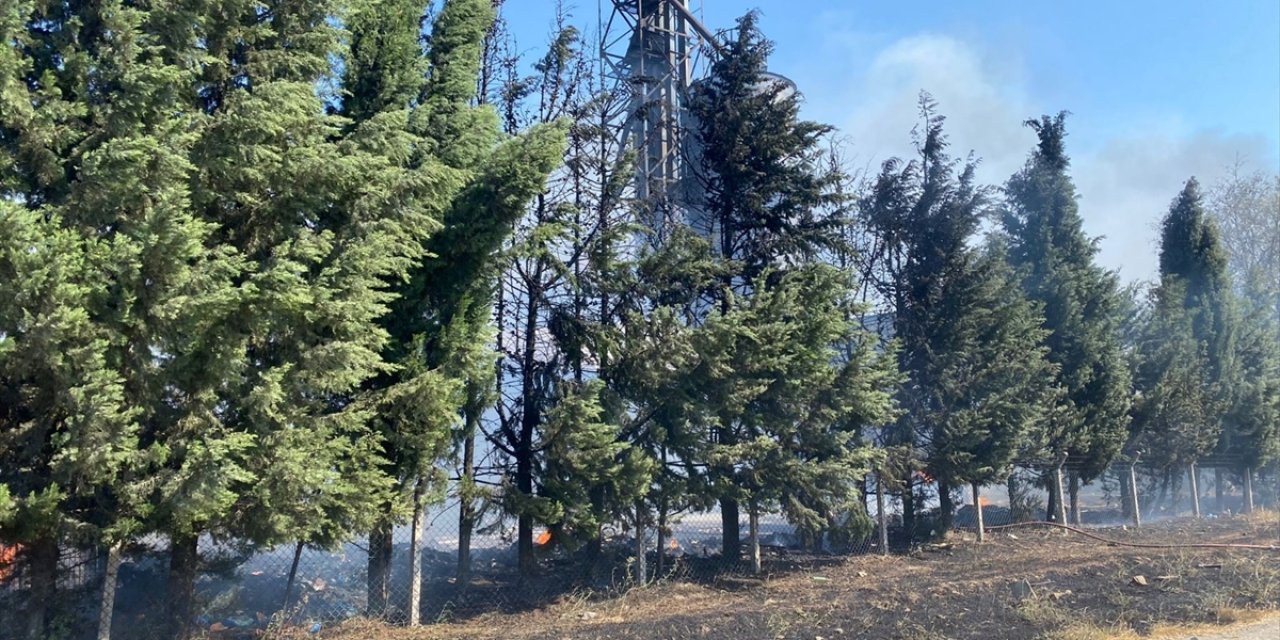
(1083, 591)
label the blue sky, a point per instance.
(1158, 90)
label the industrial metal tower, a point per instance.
(651, 50)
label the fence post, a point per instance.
(1133, 493)
(1195, 490)
(1248, 489)
(880, 514)
(109, 591)
(977, 508)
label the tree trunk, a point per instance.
(881, 515)
(1133, 495)
(1219, 480)
(1058, 489)
(41, 558)
(946, 509)
(529, 419)
(909, 509)
(466, 503)
(1073, 491)
(1051, 507)
(379, 575)
(754, 524)
(1193, 474)
(106, 609)
(415, 559)
(1012, 486)
(595, 546)
(730, 534)
(293, 575)
(977, 510)
(662, 537)
(642, 569)
(1248, 490)
(184, 560)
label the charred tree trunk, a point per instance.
(642, 561)
(661, 569)
(41, 558)
(184, 560)
(529, 418)
(909, 508)
(1051, 507)
(293, 575)
(730, 534)
(379, 575)
(946, 509)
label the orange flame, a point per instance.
(543, 539)
(983, 501)
(673, 545)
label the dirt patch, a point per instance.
(1024, 583)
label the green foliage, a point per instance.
(1251, 433)
(764, 187)
(771, 376)
(1080, 301)
(1187, 371)
(585, 454)
(969, 341)
(384, 65)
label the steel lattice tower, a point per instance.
(651, 51)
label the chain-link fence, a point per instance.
(241, 591)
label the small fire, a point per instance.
(673, 545)
(8, 553)
(544, 538)
(983, 502)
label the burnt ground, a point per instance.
(1021, 583)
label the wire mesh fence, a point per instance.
(242, 591)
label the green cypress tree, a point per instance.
(767, 201)
(439, 324)
(990, 370)
(107, 161)
(1187, 372)
(67, 437)
(974, 379)
(1056, 263)
(1250, 438)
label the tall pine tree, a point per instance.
(1056, 264)
(1187, 364)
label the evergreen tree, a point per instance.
(1251, 433)
(974, 377)
(439, 324)
(67, 438)
(1056, 263)
(768, 202)
(1187, 372)
(990, 370)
